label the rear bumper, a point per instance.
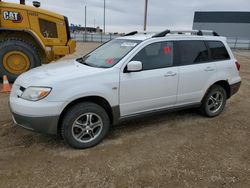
(234, 88)
(46, 125)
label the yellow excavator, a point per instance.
(30, 37)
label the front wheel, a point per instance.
(214, 102)
(85, 125)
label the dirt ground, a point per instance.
(180, 149)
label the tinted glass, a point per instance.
(218, 50)
(156, 55)
(193, 52)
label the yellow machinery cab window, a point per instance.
(48, 29)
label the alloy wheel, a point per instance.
(87, 127)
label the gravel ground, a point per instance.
(181, 149)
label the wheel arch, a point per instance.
(95, 99)
(222, 83)
(225, 85)
(26, 35)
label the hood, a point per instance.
(48, 75)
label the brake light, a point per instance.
(237, 65)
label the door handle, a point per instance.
(209, 69)
(168, 74)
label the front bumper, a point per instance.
(46, 125)
(40, 116)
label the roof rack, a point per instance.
(192, 32)
(131, 33)
(136, 32)
(162, 34)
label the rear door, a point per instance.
(196, 71)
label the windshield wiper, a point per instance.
(82, 61)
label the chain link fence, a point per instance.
(239, 43)
(93, 37)
(234, 42)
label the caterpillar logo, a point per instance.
(15, 17)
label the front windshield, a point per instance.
(109, 54)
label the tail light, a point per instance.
(237, 65)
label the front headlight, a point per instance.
(35, 93)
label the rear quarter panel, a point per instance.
(227, 70)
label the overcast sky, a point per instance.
(127, 15)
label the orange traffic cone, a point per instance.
(6, 85)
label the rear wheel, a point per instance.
(214, 102)
(17, 57)
(85, 125)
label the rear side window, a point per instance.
(218, 51)
(156, 55)
(193, 52)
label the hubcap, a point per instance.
(87, 127)
(215, 102)
(16, 62)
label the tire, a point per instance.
(214, 101)
(13, 45)
(80, 133)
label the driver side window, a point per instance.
(155, 56)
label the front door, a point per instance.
(154, 87)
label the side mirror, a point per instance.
(134, 66)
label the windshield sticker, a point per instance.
(167, 50)
(110, 61)
(128, 44)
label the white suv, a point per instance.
(133, 75)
